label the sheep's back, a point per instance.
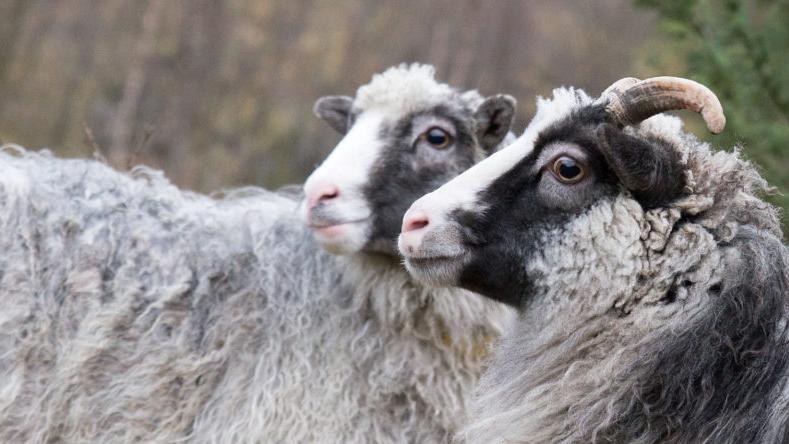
(125, 298)
(134, 311)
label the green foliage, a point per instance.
(738, 48)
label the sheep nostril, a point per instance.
(328, 195)
(415, 222)
(321, 193)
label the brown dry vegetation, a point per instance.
(219, 93)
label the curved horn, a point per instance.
(633, 103)
(618, 87)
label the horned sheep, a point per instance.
(649, 273)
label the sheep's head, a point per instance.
(579, 188)
(404, 134)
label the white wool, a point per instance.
(136, 312)
(551, 110)
(405, 88)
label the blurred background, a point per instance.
(219, 93)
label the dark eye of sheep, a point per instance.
(568, 170)
(437, 137)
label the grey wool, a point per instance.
(647, 325)
(133, 311)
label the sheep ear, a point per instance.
(494, 119)
(334, 110)
(651, 170)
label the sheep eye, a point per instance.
(568, 170)
(437, 137)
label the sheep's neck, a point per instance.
(442, 319)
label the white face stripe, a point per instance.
(462, 191)
(349, 165)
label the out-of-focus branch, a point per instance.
(123, 123)
(90, 141)
(8, 35)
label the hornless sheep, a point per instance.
(133, 311)
(650, 276)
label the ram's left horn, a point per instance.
(631, 101)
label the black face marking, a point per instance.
(406, 170)
(529, 199)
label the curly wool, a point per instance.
(667, 325)
(406, 88)
(137, 312)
